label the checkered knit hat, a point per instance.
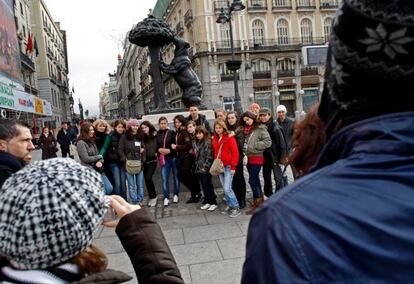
(371, 57)
(49, 212)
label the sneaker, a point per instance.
(166, 201)
(234, 212)
(226, 210)
(212, 207)
(152, 202)
(175, 199)
(205, 206)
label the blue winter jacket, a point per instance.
(351, 220)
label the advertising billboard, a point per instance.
(9, 46)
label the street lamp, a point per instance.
(233, 64)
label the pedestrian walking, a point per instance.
(256, 140)
(149, 143)
(130, 153)
(167, 160)
(48, 144)
(238, 183)
(89, 155)
(229, 155)
(65, 138)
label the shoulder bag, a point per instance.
(217, 167)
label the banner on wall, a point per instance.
(11, 98)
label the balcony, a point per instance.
(285, 73)
(188, 18)
(27, 61)
(261, 75)
(257, 6)
(305, 5)
(309, 71)
(220, 4)
(329, 5)
(224, 46)
(281, 5)
(179, 29)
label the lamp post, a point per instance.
(233, 64)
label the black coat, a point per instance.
(65, 139)
(278, 149)
(169, 139)
(111, 155)
(9, 164)
(48, 145)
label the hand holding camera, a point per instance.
(118, 208)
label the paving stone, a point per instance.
(216, 217)
(244, 226)
(121, 262)
(109, 245)
(232, 248)
(223, 272)
(196, 253)
(211, 232)
(185, 273)
(178, 222)
(174, 237)
(108, 232)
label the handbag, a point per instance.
(133, 167)
(217, 167)
(73, 151)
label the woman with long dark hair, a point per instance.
(148, 135)
(239, 183)
(89, 155)
(112, 158)
(48, 144)
(184, 148)
(130, 148)
(256, 140)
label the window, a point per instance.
(225, 35)
(285, 64)
(260, 66)
(224, 70)
(258, 32)
(228, 103)
(282, 29)
(306, 31)
(327, 28)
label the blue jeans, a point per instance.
(226, 179)
(136, 187)
(107, 184)
(208, 189)
(118, 173)
(170, 165)
(254, 179)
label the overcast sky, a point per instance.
(94, 33)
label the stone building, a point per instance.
(268, 37)
(52, 62)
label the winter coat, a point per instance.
(239, 136)
(88, 154)
(350, 220)
(48, 145)
(257, 141)
(229, 151)
(201, 120)
(204, 156)
(150, 149)
(277, 150)
(129, 148)
(169, 139)
(65, 139)
(145, 244)
(111, 155)
(184, 149)
(287, 128)
(9, 164)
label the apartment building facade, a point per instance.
(52, 62)
(268, 37)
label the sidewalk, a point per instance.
(206, 245)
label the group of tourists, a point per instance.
(126, 154)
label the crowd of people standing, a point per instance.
(127, 153)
